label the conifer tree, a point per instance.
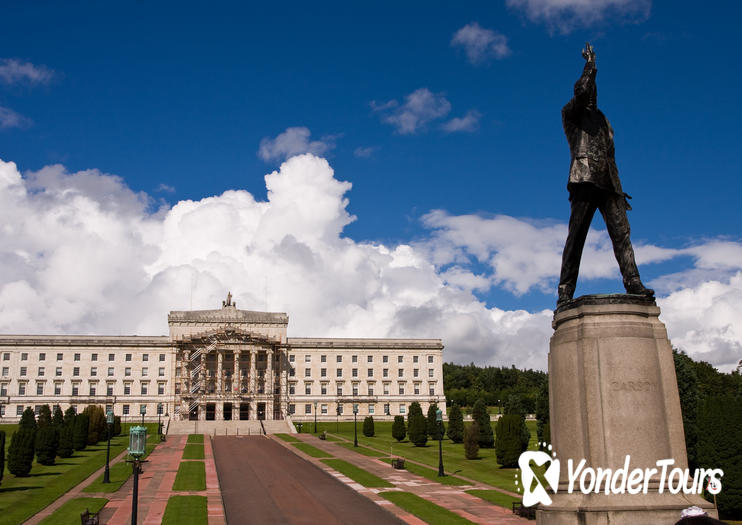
(433, 425)
(116, 425)
(80, 432)
(418, 430)
(415, 408)
(46, 438)
(368, 426)
(398, 428)
(28, 419)
(482, 417)
(512, 440)
(455, 424)
(471, 441)
(21, 451)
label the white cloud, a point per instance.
(82, 253)
(566, 15)
(420, 107)
(364, 152)
(480, 44)
(293, 141)
(165, 188)
(469, 122)
(13, 71)
(11, 119)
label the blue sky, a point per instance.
(445, 120)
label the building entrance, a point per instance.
(193, 414)
(227, 411)
(261, 410)
(210, 411)
(244, 411)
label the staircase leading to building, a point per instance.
(229, 428)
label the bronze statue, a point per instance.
(594, 184)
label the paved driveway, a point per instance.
(263, 482)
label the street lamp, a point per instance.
(498, 408)
(143, 410)
(337, 418)
(106, 473)
(137, 446)
(439, 419)
(159, 427)
(315, 417)
(355, 425)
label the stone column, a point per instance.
(236, 379)
(252, 380)
(269, 383)
(220, 372)
(253, 415)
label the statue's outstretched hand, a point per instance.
(588, 53)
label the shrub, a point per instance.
(433, 425)
(65, 449)
(57, 417)
(415, 409)
(80, 432)
(20, 452)
(28, 420)
(398, 428)
(418, 430)
(116, 425)
(96, 423)
(46, 438)
(455, 424)
(471, 441)
(512, 439)
(368, 426)
(482, 417)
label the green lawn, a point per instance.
(432, 475)
(312, 450)
(69, 513)
(363, 450)
(21, 498)
(191, 476)
(118, 474)
(356, 474)
(496, 497)
(428, 512)
(193, 451)
(287, 437)
(195, 438)
(485, 470)
(185, 510)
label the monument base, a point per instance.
(612, 394)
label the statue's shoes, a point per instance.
(635, 287)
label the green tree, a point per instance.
(368, 426)
(28, 420)
(415, 409)
(80, 432)
(399, 431)
(433, 425)
(688, 392)
(21, 451)
(418, 430)
(542, 411)
(96, 423)
(455, 424)
(482, 417)
(116, 425)
(46, 438)
(57, 417)
(515, 404)
(471, 441)
(511, 439)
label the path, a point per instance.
(453, 498)
(263, 482)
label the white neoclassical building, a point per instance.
(223, 364)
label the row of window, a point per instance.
(76, 356)
(41, 371)
(339, 409)
(369, 372)
(37, 409)
(92, 389)
(355, 389)
(354, 358)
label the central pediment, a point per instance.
(266, 326)
(229, 335)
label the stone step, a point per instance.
(228, 428)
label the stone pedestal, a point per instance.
(612, 393)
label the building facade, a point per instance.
(223, 364)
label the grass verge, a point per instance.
(193, 451)
(362, 450)
(191, 476)
(312, 450)
(185, 510)
(195, 438)
(428, 512)
(356, 474)
(288, 437)
(69, 513)
(432, 475)
(118, 474)
(495, 496)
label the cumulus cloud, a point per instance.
(293, 141)
(480, 44)
(13, 71)
(419, 108)
(566, 15)
(82, 253)
(11, 119)
(469, 122)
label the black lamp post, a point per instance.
(106, 473)
(355, 424)
(499, 411)
(439, 419)
(159, 413)
(337, 418)
(315, 417)
(137, 446)
(143, 410)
